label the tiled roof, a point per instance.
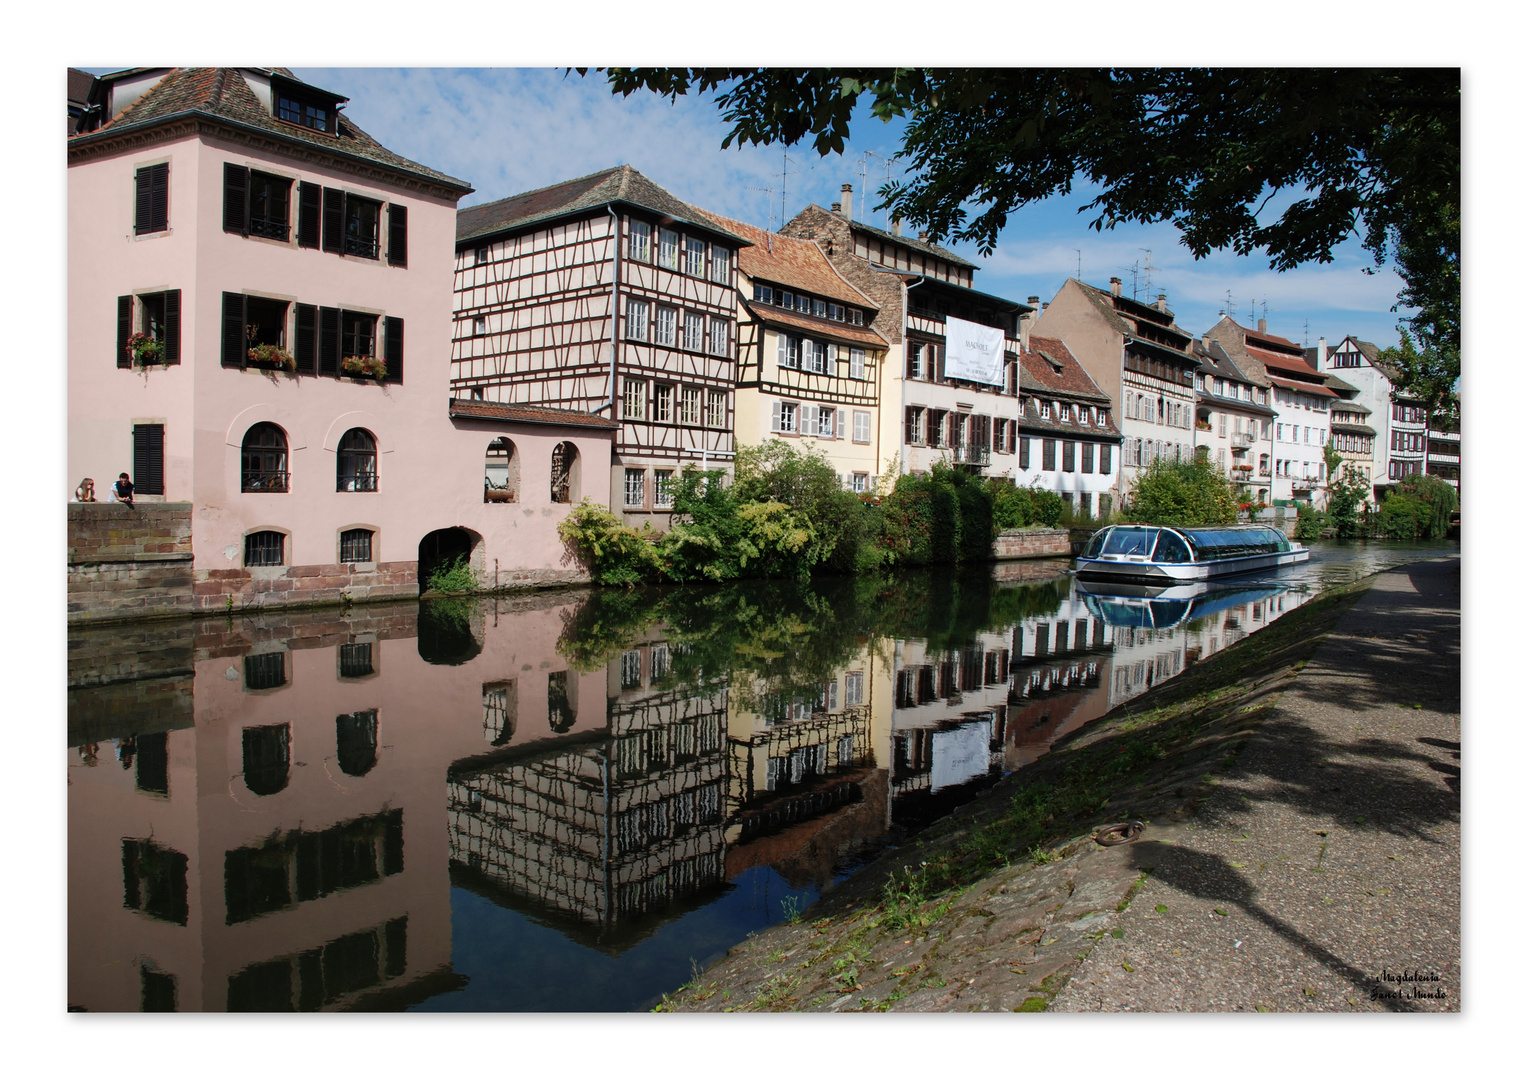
(527, 414)
(1353, 429)
(798, 264)
(1319, 389)
(1284, 364)
(1264, 337)
(223, 93)
(622, 184)
(831, 331)
(911, 241)
(1031, 421)
(1039, 374)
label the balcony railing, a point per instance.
(971, 455)
(269, 227)
(1305, 483)
(1243, 439)
(366, 249)
(267, 480)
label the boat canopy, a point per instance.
(1164, 545)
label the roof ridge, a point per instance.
(545, 187)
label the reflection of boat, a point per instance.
(1150, 554)
(1159, 607)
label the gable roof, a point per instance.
(223, 94)
(526, 414)
(799, 264)
(910, 241)
(622, 184)
(1125, 317)
(1048, 367)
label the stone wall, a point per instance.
(1032, 544)
(129, 562)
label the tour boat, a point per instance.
(1164, 556)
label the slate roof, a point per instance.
(797, 264)
(910, 241)
(526, 414)
(622, 184)
(222, 93)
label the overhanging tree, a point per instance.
(1367, 151)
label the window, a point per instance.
(267, 752)
(861, 427)
(634, 403)
(826, 427)
(263, 465)
(782, 417)
(256, 203)
(1087, 457)
(1048, 455)
(302, 113)
(915, 365)
(1023, 453)
(1045, 410)
(854, 688)
(668, 249)
(362, 218)
(151, 202)
(636, 487)
(264, 549)
(355, 659)
(665, 324)
(721, 265)
(358, 337)
(640, 247)
(716, 414)
(694, 331)
(357, 464)
(694, 257)
(856, 363)
(663, 403)
(814, 356)
(859, 483)
(787, 351)
(480, 256)
(564, 476)
(914, 426)
(1068, 456)
(663, 488)
(721, 337)
(1105, 460)
(154, 880)
(157, 315)
(148, 459)
(355, 740)
(636, 320)
(689, 406)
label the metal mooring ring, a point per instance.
(1111, 835)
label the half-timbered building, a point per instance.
(932, 412)
(808, 362)
(1233, 422)
(1068, 441)
(1137, 355)
(605, 294)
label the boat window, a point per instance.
(1095, 544)
(1171, 549)
(1129, 541)
(1211, 544)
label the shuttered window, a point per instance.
(392, 348)
(1105, 459)
(1068, 456)
(1023, 453)
(1087, 457)
(151, 204)
(397, 235)
(334, 220)
(148, 459)
(124, 330)
(328, 341)
(306, 352)
(310, 199)
(1048, 455)
(235, 353)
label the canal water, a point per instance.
(565, 801)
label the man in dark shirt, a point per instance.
(124, 489)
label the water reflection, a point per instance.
(559, 801)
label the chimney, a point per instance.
(847, 198)
(1161, 304)
(1262, 326)
(838, 208)
(1115, 285)
(896, 226)
(923, 235)
(1320, 353)
(1027, 322)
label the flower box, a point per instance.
(272, 357)
(145, 350)
(364, 367)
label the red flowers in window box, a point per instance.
(364, 367)
(145, 350)
(272, 356)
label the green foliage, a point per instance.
(1183, 493)
(1308, 522)
(1430, 374)
(616, 553)
(1419, 508)
(1402, 517)
(1344, 497)
(1016, 507)
(456, 575)
(1375, 150)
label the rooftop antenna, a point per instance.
(1079, 263)
(1265, 310)
(1133, 270)
(1149, 270)
(1307, 333)
(865, 182)
(1230, 305)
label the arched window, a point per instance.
(264, 459)
(267, 758)
(501, 472)
(565, 473)
(357, 462)
(355, 740)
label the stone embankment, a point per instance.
(1300, 794)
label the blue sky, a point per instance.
(507, 130)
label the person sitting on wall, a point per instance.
(121, 491)
(86, 491)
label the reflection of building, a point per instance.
(602, 839)
(1061, 660)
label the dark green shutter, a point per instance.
(328, 341)
(397, 235)
(148, 459)
(172, 327)
(334, 219)
(152, 199)
(1105, 458)
(124, 330)
(1023, 453)
(235, 199)
(307, 339)
(310, 198)
(393, 349)
(235, 352)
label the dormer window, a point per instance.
(304, 113)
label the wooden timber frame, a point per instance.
(534, 324)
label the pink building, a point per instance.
(281, 349)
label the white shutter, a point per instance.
(832, 357)
(809, 420)
(874, 482)
(780, 358)
(838, 430)
(774, 416)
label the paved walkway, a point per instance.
(1323, 873)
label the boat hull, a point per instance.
(1177, 573)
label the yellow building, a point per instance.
(808, 361)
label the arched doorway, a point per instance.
(445, 546)
(566, 487)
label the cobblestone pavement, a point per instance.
(1323, 872)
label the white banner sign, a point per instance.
(973, 351)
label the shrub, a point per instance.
(1343, 499)
(1438, 496)
(455, 575)
(1183, 493)
(1308, 522)
(1403, 517)
(616, 553)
